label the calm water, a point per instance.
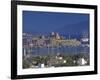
(61, 50)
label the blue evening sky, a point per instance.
(35, 22)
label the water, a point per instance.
(62, 50)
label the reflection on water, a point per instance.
(62, 50)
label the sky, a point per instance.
(36, 22)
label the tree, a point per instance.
(26, 63)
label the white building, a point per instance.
(81, 61)
(41, 65)
(85, 39)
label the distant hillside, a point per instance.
(81, 29)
